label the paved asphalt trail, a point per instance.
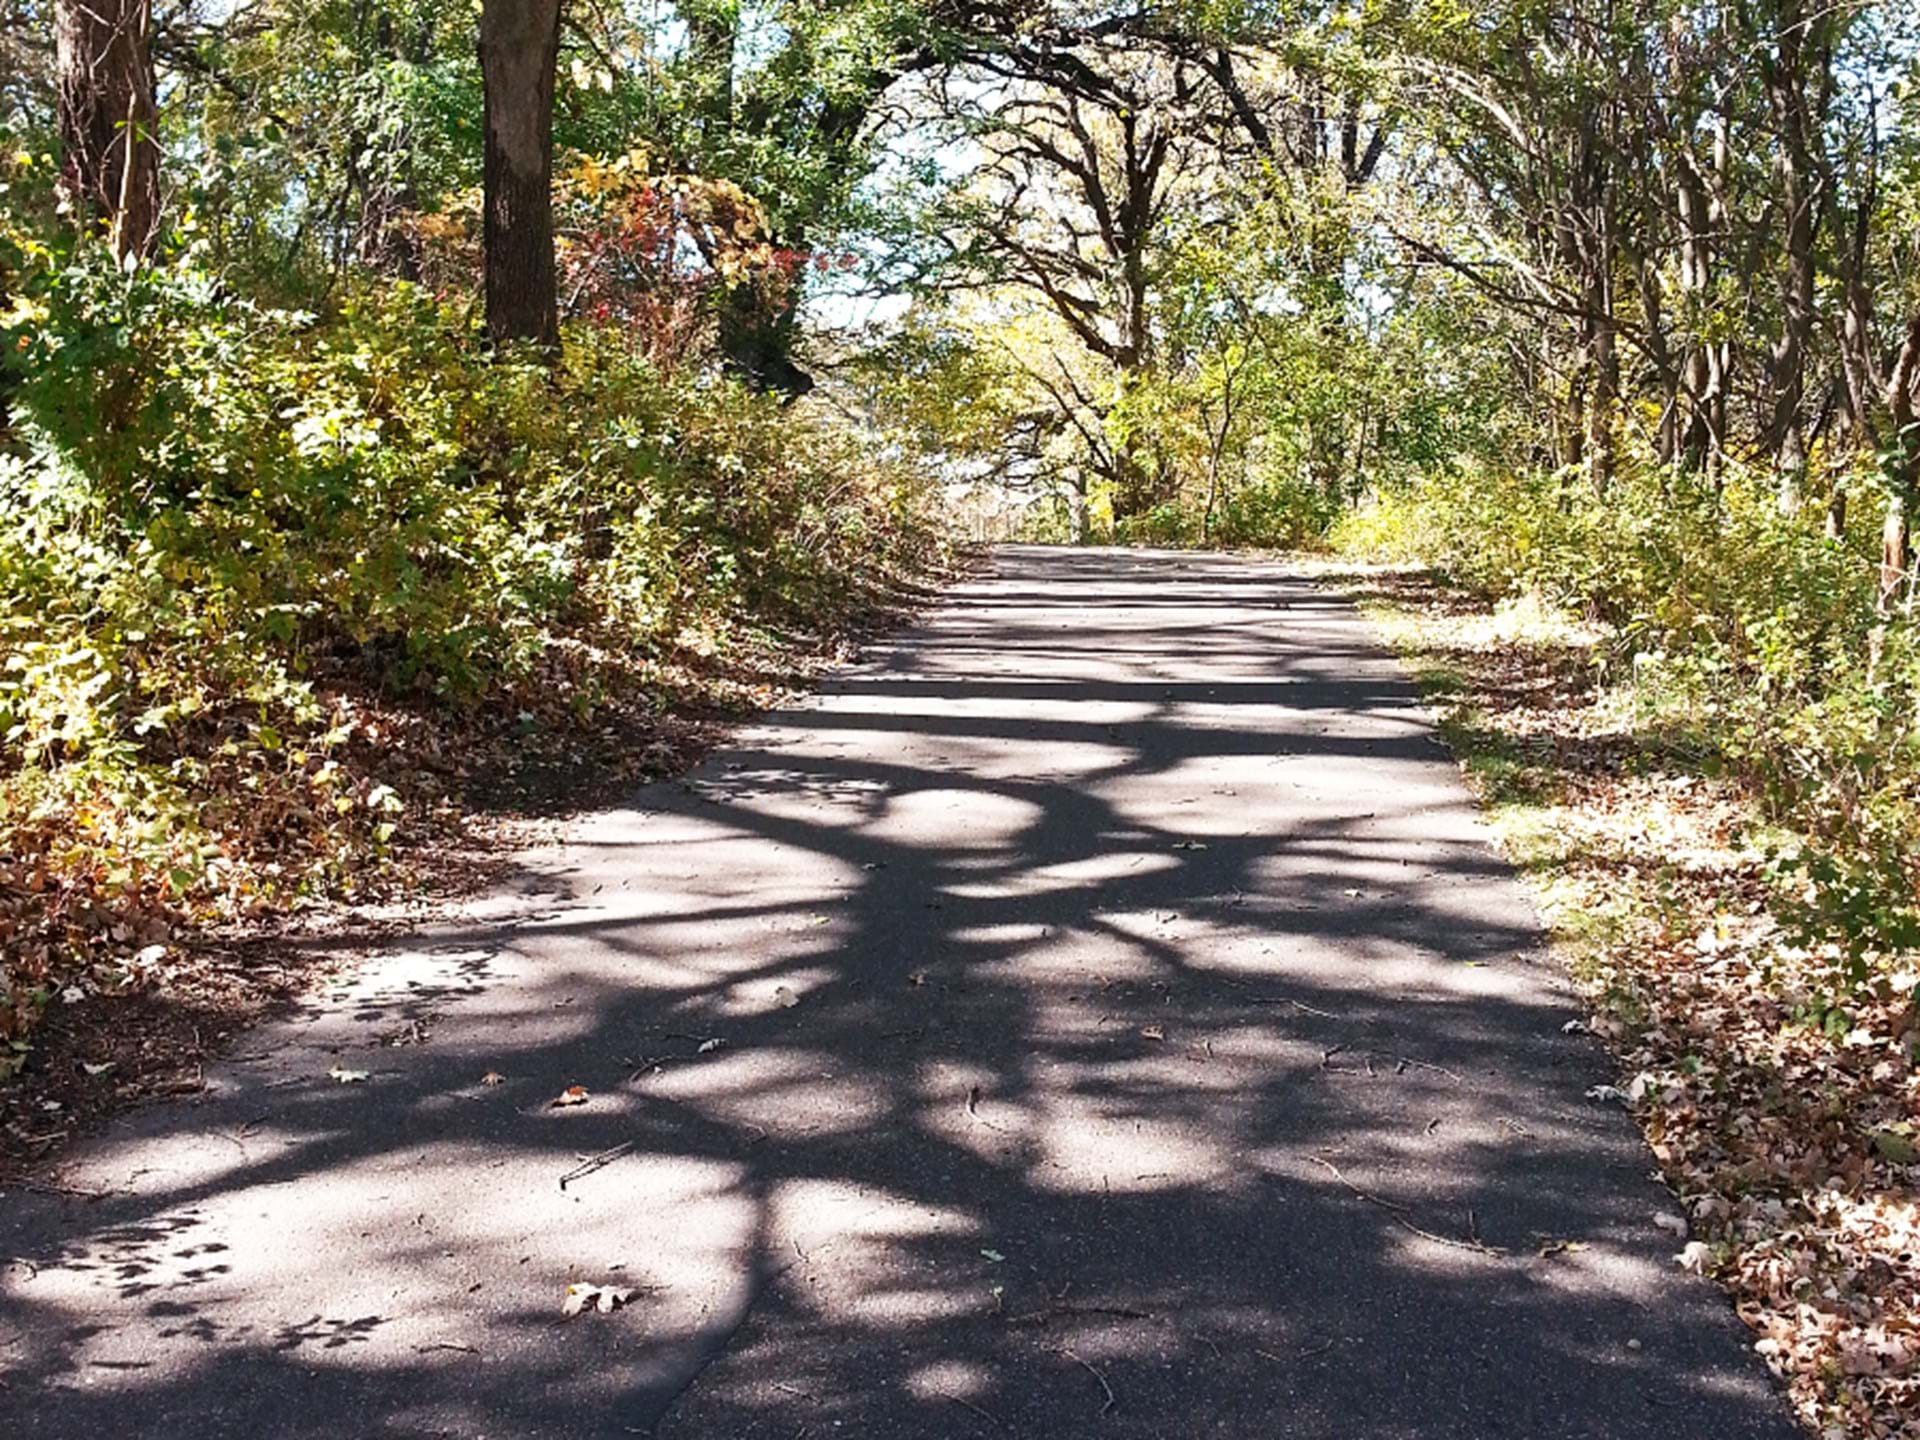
(1098, 1014)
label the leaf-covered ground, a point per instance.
(1785, 1127)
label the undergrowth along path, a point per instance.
(1100, 1012)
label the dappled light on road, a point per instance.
(1099, 1013)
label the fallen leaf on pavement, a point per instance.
(572, 1095)
(604, 1298)
(346, 1076)
(493, 1077)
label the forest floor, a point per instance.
(1786, 1129)
(1100, 1011)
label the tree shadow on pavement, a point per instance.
(1098, 1013)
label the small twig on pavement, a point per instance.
(595, 1162)
(54, 1187)
(1405, 1063)
(1046, 1313)
(981, 1411)
(1283, 1000)
(1400, 1213)
(445, 1345)
(1112, 1400)
(653, 1063)
(1307, 1354)
(973, 1112)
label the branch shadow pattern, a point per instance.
(1099, 1013)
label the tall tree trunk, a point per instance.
(1571, 452)
(519, 47)
(1140, 481)
(1602, 447)
(1702, 372)
(1078, 525)
(1666, 373)
(1798, 62)
(1787, 362)
(1602, 343)
(1592, 229)
(1859, 365)
(110, 158)
(1903, 468)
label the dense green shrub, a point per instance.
(231, 537)
(1751, 626)
(1280, 513)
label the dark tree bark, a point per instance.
(1796, 75)
(519, 47)
(1595, 249)
(1701, 430)
(1903, 469)
(758, 325)
(110, 158)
